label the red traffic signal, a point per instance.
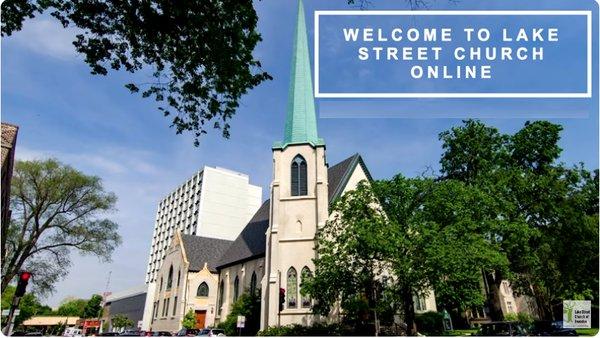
(24, 277)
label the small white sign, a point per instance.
(577, 314)
(241, 322)
(6, 312)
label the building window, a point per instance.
(178, 277)
(202, 290)
(170, 278)
(221, 296)
(509, 307)
(420, 304)
(253, 283)
(168, 300)
(299, 185)
(161, 284)
(175, 306)
(292, 288)
(236, 288)
(305, 299)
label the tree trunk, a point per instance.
(492, 295)
(409, 311)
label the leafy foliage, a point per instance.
(198, 52)
(401, 238)
(550, 211)
(247, 305)
(93, 308)
(189, 320)
(120, 321)
(317, 329)
(55, 209)
(29, 306)
(72, 308)
(430, 323)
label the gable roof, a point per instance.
(252, 240)
(201, 250)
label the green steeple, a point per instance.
(300, 120)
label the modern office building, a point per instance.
(214, 203)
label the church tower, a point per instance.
(299, 196)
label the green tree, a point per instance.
(548, 208)
(199, 52)
(120, 321)
(400, 229)
(55, 209)
(247, 305)
(189, 320)
(93, 308)
(72, 308)
(29, 306)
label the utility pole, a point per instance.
(19, 292)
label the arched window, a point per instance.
(253, 283)
(305, 300)
(221, 296)
(236, 288)
(292, 288)
(299, 185)
(202, 290)
(170, 278)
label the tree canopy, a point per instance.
(197, 53)
(55, 209)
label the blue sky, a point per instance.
(94, 124)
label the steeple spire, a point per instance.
(301, 120)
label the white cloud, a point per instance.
(46, 36)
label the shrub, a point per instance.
(189, 320)
(247, 305)
(316, 329)
(522, 317)
(430, 323)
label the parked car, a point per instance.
(130, 333)
(551, 328)
(211, 332)
(109, 334)
(187, 332)
(34, 333)
(161, 334)
(501, 329)
(72, 332)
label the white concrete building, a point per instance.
(213, 203)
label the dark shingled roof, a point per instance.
(200, 250)
(251, 242)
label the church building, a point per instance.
(276, 248)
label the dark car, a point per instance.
(501, 329)
(130, 333)
(161, 334)
(108, 334)
(549, 328)
(187, 332)
(211, 332)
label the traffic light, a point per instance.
(24, 277)
(281, 298)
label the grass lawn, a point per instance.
(467, 332)
(587, 332)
